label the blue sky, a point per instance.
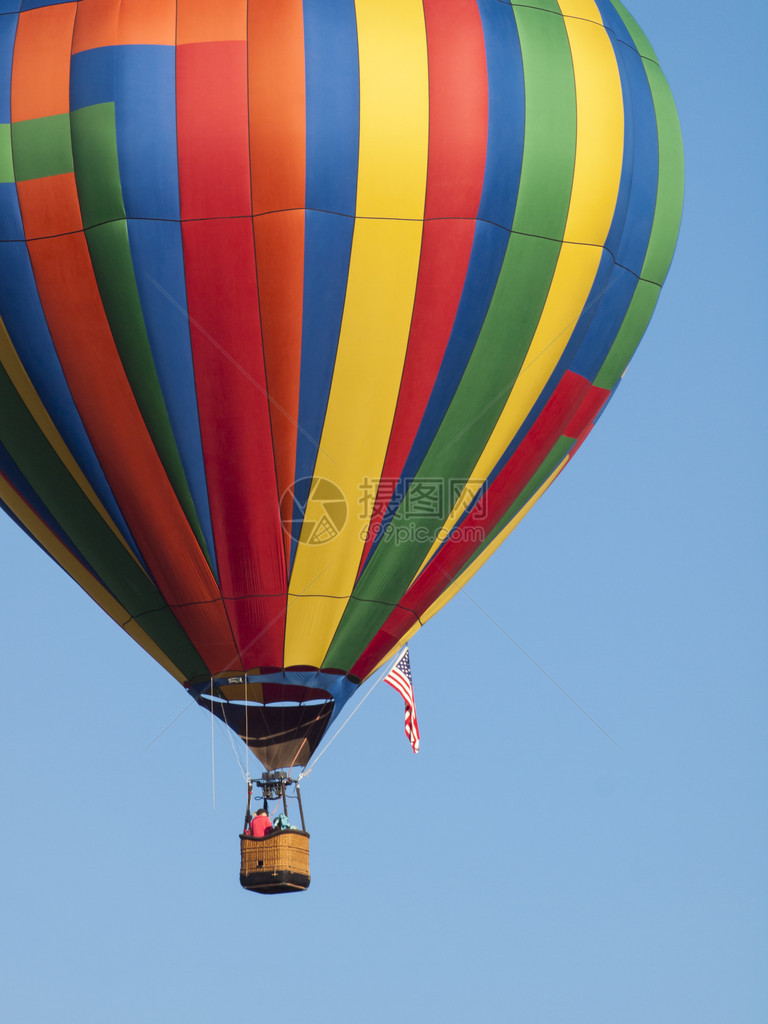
(525, 866)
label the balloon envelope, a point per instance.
(305, 304)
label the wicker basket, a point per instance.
(278, 862)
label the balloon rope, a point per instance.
(533, 661)
(186, 707)
(247, 734)
(349, 719)
(228, 731)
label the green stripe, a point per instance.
(99, 189)
(513, 316)
(543, 5)
(6, 155)
(550, 125)
(42, 147)
(632, 330)
(669, 200)
(110, 252)
(97, 172)
(87, 532)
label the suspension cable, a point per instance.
(307, 770)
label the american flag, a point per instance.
(399, 677)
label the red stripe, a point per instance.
(400, 621)
(223, 302)
(458, 549)
(236, 431)
(212, 125)
(49, 206)
(458, 108)
(401, 684)
(105, 402)
(587, 413)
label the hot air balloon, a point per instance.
(305, 304)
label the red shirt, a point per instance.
(260, 825)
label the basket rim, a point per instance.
(274, 834)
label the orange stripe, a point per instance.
(40, 83)
(277, 105)
(203, 21)
(96, 24)
(49, 206)
(279, 241)
(79, 327)
(277, 99)
(124, 22)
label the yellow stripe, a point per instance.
(25, 389)
(61, 554)
(369, 362)
(386, 246)
(597, 173)
(599, 124)
(394, 108)
(585, 9)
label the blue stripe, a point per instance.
(327, 248)
(332, 139)
(628, 169)
(141, 82)
(145, 111)
(8, 24)
(32, 5)
(488, 250)
(158, 260)
(332, 104)
(644, 158)
(11, 228)
(23, 316)
(630, 230)
(600, 333)
(506, 114)
(92, 77)
(614, 23)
